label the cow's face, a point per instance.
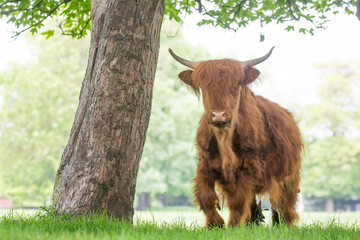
(220, 83)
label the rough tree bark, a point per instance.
(100, 163)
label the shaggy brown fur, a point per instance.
(257, 151)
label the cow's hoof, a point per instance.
(216, 222)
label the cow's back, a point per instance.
(283, 151)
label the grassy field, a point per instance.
(171, 224)
(191, 216)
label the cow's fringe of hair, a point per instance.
(217, 74)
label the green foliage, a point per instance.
(48, 33)
(74, 15)
(332, 132)
(99, 226)
(36, 111)
(234, 14)
(169, 158)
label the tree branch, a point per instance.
(14, 10)
(38, 4)
(239, 7)
(20, 9)
(40, 21)
(357, 5)
(218, 20)
(82, 30)
(291, 11)
(10, 1)
(297, 18)
(72, 33)
(200, 5)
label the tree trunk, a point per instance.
(100, 163)
(329, 205)
(144, 201)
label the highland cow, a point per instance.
(247, 145)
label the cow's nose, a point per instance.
(218, 116)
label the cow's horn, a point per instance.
(253, 62)
(185, 62)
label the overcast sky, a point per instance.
(288, 76)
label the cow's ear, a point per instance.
(250, 75)
(186, 77)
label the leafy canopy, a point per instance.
(37, 107)
(74, 16)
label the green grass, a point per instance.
(42, 225)
(192, 216)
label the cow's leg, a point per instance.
(239, 202)
(283, 197)
(257, 217)
(283, 211)
(205, 195)
(242, 199)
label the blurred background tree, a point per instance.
(37, 105)
(332, 133)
